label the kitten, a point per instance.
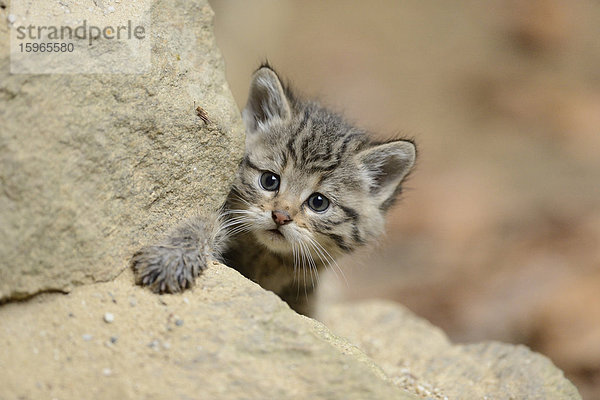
(309, 188)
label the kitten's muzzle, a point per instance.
(281, 217)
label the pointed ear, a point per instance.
(266, 101)
(386, 165)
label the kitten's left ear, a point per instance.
(266, 100)
(386, 165)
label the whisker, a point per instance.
(326, 263)
(228, 222)
(236, 211)
(296, 261)
(311, 265)
(234, 225)
(236, 220)
(240, 229)
(303, 269)
(329, 259)
(319, 254)
(237, 225)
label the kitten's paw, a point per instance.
(167, 269)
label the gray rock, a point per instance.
(238, 342)
(419, 357)
(242, 342)
(93, 166)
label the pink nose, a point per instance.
(281, 217)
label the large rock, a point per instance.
(415, 354)
(229, 339)
(91, 166)
(225, 339)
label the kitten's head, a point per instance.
(309, 180)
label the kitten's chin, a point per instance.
(274, 241)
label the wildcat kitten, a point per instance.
(309, 188)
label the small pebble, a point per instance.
(87, 337)
(114, 339)
(11, 18)
(106, 372)
(132, 301)
(178, 322)
(111, 9)
(108, 318)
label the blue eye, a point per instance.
(269, 181)
(317, 202)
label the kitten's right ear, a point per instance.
(266, 101)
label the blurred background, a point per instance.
(498, 234)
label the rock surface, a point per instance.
(414, 353)
(91, 166)
(225, 339)
(229, 339)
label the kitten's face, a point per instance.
(292, 202)
(309, 181)
(286, 204)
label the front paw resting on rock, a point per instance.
(168, 268)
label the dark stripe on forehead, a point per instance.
(304, 146)
(290, 147)
(290, 144)
(331, 158)
(315, 169)
(323, 156)
(303, 122)
(347, 141)
(284, 159)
